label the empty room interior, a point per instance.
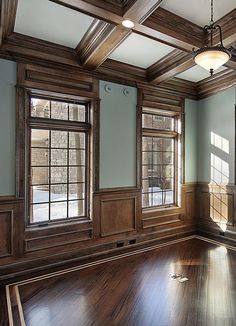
(117, 163)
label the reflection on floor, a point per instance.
(137, 290)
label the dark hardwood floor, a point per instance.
(139, 291)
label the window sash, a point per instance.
(152, 200)
(67, 201)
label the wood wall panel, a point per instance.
(6, 233)
(118, 213)
(217, 208)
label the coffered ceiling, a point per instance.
(89, 34)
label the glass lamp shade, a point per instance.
(211, 58)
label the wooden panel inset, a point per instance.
(118, 215)
(65, 81)
(6, 227)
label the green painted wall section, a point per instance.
(7, 129)
(117, 135)
(216, 137)
(191, 107)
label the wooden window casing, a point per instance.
(62, 127)
(161, 158)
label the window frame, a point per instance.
(177, 136)
(60, 125)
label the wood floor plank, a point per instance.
(138, 290)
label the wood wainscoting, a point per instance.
(118, 225)
(11, 232)
(216, 210)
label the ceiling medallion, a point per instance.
(212, 57)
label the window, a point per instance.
(160, 158)
(58, 160)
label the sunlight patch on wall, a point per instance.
(220, 142)
(219, 210)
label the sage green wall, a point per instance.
(7, 127)
(191, 107)
(216, 137)
(117, 135)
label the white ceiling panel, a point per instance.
(198, 11)
(48, 21)
(197, 73)
(140, 51)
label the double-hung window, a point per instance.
(58, 160)
(161, 158)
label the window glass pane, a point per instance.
(59, 174)
(76, 208)
(39, 194)
(168, 157)
(168, 144)
(59, 139)
(157, 144)
(77, 140)
(39, 157)
(147, 158)
(77, 174)
(76, 157)
(157, 199)
(40, 108)
(147, 185)
(147, 121)
(168, 171)
(39, 138)
(168, 184)
(163, 123)
(39, 213)
(58, 210)
(58, 192)
(59, 110)
(39, 175)
(77, 112)
(147, 143)
(168, 197)
(76, 191)
(58, 156)
(147, 199)
(157, 157)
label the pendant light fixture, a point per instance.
(212, 57)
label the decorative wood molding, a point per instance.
(228, 25)
(105, 38)
(216, 83)
(185, 34)
(169, 66)
(7, 18)
(97, 32)
(25, 48)
(92, 8)
(138, 11)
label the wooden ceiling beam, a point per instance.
(171, 29)
(91, 9)
(169, 66)
(7, 18)
(105, 38)
(175, 62)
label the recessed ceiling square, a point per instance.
(196, 73)
(140, 51)
(51, 22)
(198, 11)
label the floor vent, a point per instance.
(120, 244)
(133, 241)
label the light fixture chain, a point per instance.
(212, 13)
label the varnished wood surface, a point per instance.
(138, 290)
